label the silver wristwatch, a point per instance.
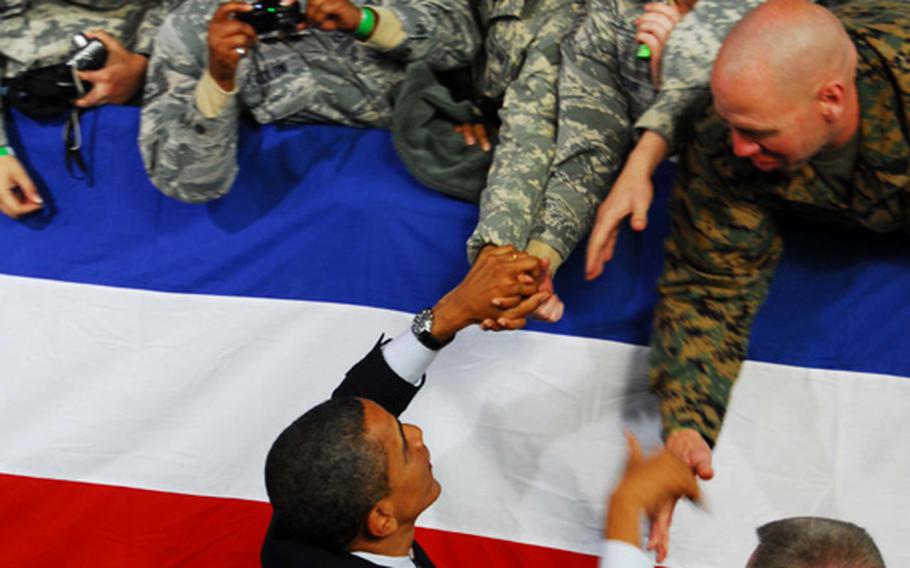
(421, 327)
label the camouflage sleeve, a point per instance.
(441, 32)
(154, 15)
(594, 134)
(187, 156)
(687, 62)
(720, 257)
(527, 138)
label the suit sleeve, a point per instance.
(720, 258)
(373, 379)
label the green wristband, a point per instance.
(644, 52)
(367, 24)
(6, 151)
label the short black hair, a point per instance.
(323, 475)
(814, 542)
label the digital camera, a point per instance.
(90, 54)
(270, 16)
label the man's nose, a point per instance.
(742, 146)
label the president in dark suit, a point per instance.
(347, 480)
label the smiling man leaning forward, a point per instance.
(811, 115)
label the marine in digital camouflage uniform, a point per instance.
(603, 87)
(36, 33)
(725, 242)
(316, 76)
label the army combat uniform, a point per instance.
(312, 77)
(37, 33)
(603, 87)
(520, 72)
(725, 242)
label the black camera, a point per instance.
(270, 16)
(90, 54)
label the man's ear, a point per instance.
(381, 521)
(832, 98)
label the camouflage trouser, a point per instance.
(527, 136)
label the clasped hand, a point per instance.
(500, 290)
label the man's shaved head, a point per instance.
(787, 48)
(785, 82)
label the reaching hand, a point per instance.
(228, 39)
(118, 80)
(18, 194)
(630, 195)
(475, 134)
(647, 485)
(501, 286)
(332, 15)
(653, 29)
(687, 445)
(550, 311)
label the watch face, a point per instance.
(423, 322)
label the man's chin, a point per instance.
(766, 165)
(437, 490)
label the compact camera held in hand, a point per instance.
(270, 16)
(90, 54)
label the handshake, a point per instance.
(498, 293)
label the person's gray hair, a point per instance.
(814, 542)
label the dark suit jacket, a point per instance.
(371, 378)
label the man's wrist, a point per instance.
(650, 151)
(447, 319)
(623, 517)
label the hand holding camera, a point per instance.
(114, 73)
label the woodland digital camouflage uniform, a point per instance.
(37, 33)
(725, 242)
(314, 77)
(603, 87)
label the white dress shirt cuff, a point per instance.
(408, 357)
(618, 554)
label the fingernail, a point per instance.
(38, 200)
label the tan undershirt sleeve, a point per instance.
(389, 32)
(211, 99)
(543, 250)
